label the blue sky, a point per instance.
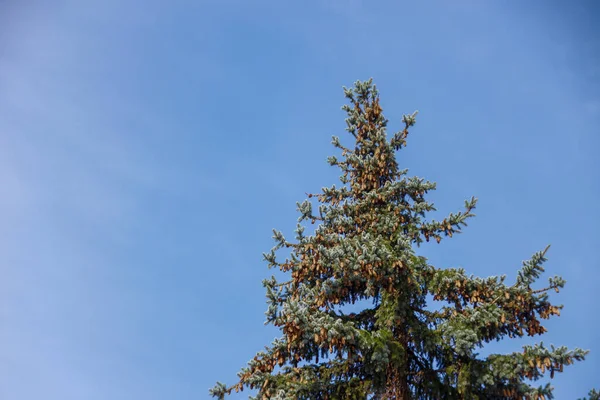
(148, 148)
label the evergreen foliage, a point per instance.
(362, 249)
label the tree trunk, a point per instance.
(397, 375)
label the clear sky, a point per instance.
(147, 149)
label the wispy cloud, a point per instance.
(139, 165)
(71, 177)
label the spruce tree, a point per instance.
(398, 346)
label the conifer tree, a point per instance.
(398, 346)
